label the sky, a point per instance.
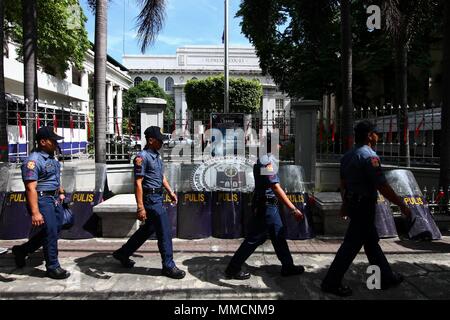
(188, 22)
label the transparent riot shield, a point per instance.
(172, 172)
(384, 219)
(421, 222)
(86, 182)
(15, 222)
(292, 180)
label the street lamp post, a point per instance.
(226, 71)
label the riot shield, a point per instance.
(172, 172)
(15, 222)
(384, 219)
(227, 210)
(84, 197)
(292, 180)
(194, 215)
(421, 222)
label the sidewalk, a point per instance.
(96, 275)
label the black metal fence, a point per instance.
(422, 122)
(262, 122)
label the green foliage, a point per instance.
(208, 95)
(298, 44)
(62, 37)
(142, 90)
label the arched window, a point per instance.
(154, 79)
(169, 84)
(137, 80)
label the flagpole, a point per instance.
(226, 71)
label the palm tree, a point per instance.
(101, 18)
(403, 19)
(347, 78)
(445, 115)
(150, 21)
(29, 23)
(3, 113)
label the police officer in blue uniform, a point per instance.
(149, 183)
(361, 177)
(266, 219)
(41, 176)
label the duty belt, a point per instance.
(271, 200)
(53, 193)
(357, 197)
(153, 190)
(266, 200)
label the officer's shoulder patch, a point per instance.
(138, 161)
(31, 164)
(375, 162)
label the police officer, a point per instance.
(266, 219)
(149, 183)
(41, 176)
(361, 177)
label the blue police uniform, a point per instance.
(148, 164)
(361, 172)
(45, 169)
(266, 218)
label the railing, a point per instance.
(75, 125)
(262, 122)
(423, 123)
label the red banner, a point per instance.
(417, 131)
(117, 128)
(19, 125)
(55, 122)
(332, 132)
(88, 127)
(38, 123)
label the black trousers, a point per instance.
(361, 232)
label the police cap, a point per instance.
(154, 132)
(364, 127)
(47, 133)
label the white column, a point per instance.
(119, 108)
(110, 108)
(85, 86)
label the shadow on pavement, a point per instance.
(97, 264)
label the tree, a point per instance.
(61, 34)
(150, 22)
(100, 52)
(3, 113)
(29, 24)
(403, 19)
(296, 42)
(347, 75)
(146, 89)
(445, 115)
(207, 95)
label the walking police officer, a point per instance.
(361, 177)
(41, 176)
(266, 219)
(149, 183)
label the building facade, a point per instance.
(171, 72)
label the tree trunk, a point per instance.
(100, 80)
(445, 125)
(347, 75)
(401, 74)
(29, 22)
(3, 113)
